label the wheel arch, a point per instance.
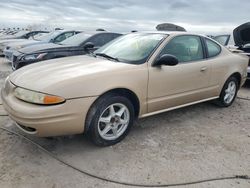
(121, 91)
(238, 76)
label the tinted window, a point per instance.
(49, 36)
(101, 39)
(185, 48)
(31, 35)
(63, 36)
(70, 34)
(212, 48)
(76, 40)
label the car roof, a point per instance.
(98, 32)
(168, 33)
(63, 31)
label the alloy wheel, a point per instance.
(230, 92)
(113, 121)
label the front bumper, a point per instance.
(44, 121)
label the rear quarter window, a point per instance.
(213, 49)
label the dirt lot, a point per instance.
(189, 144)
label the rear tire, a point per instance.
(228, 93)
(110, 119)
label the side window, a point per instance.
(186, 48)
(101, 39)
(63, 36)
(212, 48)
(69, 34)
(31, 35)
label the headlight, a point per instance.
(34, 56)
(36, 97)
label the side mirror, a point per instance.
(167, 59)
(88, 46)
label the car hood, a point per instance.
(6, 41)
(22, 44)
(46, 47)
(242, 34)
(8, 37)
(71, 77)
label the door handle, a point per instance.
(203, 69)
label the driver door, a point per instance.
(187, 82)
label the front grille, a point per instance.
(29, 129)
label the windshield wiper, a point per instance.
(106, 56)
(91, 54)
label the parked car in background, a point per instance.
(136, 75)
(238, 41)
(79, 44)
(53, 37)
(7, 32)
(5, 42)
(169, 27)
(22, 35)
(19, 37)
(224, 39)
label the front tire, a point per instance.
(229, 92)
(110, 119)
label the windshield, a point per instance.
(48, 37)
(222, 39)
(76, 40)
(132, 48)
(37, 36)
(21, 33)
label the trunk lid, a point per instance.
(242, 34)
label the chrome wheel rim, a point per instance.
(230, 92)
(113, 121)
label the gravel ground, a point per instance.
(193, 143)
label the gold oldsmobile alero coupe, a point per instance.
(134, 76)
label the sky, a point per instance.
(198, 16)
